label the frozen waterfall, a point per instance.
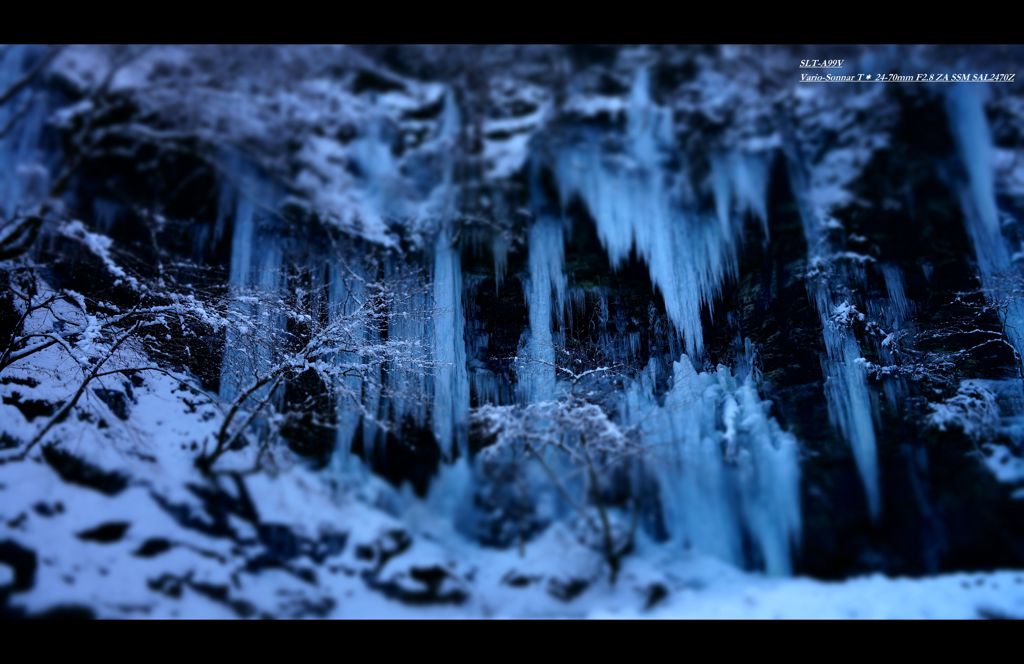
(637, 199)
(536, 363)
(727, 472)
(451, 379)
(965, 106)
(249, 199)
(846, 390)
(22, 159)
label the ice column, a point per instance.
(846, 390)
(727, 472)
(346, 289)
(250, 199)
(408, 387)
(536, 366)
(451, 379)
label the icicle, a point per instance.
(965, 105)
(451, 380)
(894, 311)
(536, 371)
(846, 389)
(441, 202)
(451, 121)
(487, 387)
(740, 182)
(408, 388)
(105, 214)
(726, 470)
(384, 193)
(499, 249)
(345, 290)
(899, 305)
(22, 160)
(379, 184)
(633, 198)
(849, 400)
(255, 273)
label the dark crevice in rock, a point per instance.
(77, 471)
(105, 533)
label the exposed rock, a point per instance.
(105, 533)
(77, 471)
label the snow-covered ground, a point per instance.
(109, 516)
(304, 552)
(115, 520)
